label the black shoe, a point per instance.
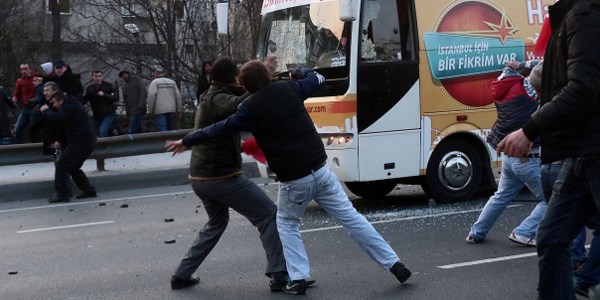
(57, 198)
(178, 283)
(400, 271)
(86, 195)
(296, 287)
(278, 282)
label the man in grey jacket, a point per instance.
(134, 97)
(164, 100)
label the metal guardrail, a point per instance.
(109, 147)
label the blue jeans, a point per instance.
(575, 200)
(165, 122)
(513, 177)
(135, 124)
(588, 274)
(27, 117)
(578, 252)
(323, 186)
(105, 125)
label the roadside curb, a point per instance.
(110, 181)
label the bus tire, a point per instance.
(454, 172)
(371, 189)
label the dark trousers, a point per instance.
(589, 273)
(575, 199)
(69, 164)
(249, 200)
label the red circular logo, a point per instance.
(467, 18)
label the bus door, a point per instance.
(387, 80)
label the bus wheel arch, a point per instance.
(371, 189)
(455, 168)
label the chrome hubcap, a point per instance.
(455, 170)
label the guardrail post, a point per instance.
(100, 164)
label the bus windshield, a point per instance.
(310, 36)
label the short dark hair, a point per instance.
(204, 64)
(224, 70)
(58, 95)
(254, 75)
(96, 72)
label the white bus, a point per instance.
(407, 96)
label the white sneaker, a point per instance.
(471, 240)
(519, 239)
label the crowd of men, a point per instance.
(52, 111)
(160, 98)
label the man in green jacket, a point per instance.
(217, 178)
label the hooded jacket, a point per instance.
(134, 93)
(218, 156)
(514, 104)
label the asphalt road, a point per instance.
(101, 249)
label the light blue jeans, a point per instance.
(323, 187)
(513, 177)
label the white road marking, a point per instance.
(405, 219)
(66, 226)
(94, 201)
(491, 260)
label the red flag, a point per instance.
(250, 147)
(542, 41)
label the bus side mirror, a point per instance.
(222, 9)
(347, 11)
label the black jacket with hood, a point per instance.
(569, 117)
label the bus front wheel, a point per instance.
(371, 189)
(453, 173)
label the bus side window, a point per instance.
(385, 30)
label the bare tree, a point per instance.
(19, 28)
(173, 34)
(244, 22)
(177, 35)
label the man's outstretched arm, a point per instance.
(241, 120)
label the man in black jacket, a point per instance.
(68, 81)
(283, 129)
(102, 97)
(568, 122)
(5, 104)
(78, 146)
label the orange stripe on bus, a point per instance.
(343, 107)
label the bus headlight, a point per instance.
(337, 139)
